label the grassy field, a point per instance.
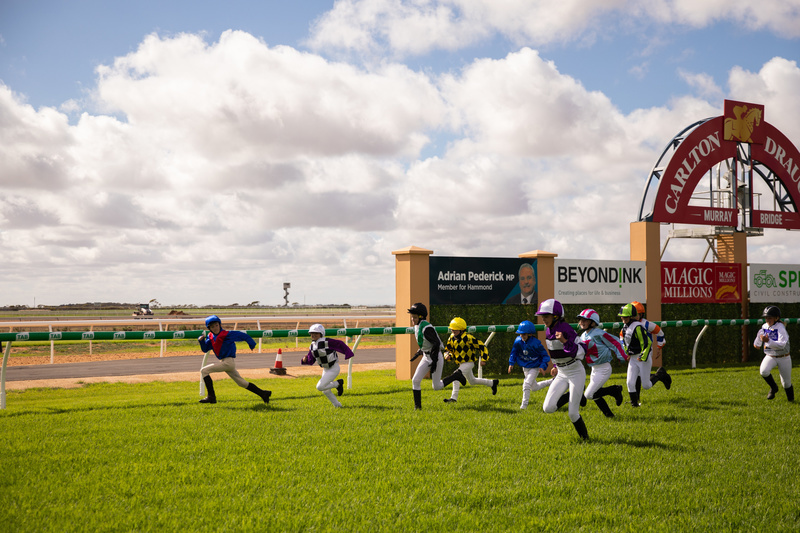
(712, 454)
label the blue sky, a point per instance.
(50, 55)
(205, 152)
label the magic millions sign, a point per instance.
(717, 140)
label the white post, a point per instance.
(91, 328)
(350, 364)
(161, 351)
(486, 343)
(297, 338)
(52, 346)
(3, 376)
(696, 342)
(258, 325)
(164, 342)
(203, 383)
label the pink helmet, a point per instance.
(590, 314)
(550, 307)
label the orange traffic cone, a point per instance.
(278, 368)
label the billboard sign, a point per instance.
(774, 283)
(579, 281)
(700, 282)
(483, 280)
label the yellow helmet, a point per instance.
(458, 324)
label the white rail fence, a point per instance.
(164, 324)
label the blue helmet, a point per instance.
(526, 326)
(213, 318)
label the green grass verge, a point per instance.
(712, 454)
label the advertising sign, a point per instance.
(579, 281)
(483, 280)
(700, 282)
(774, 283)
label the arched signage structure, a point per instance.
(750, 148)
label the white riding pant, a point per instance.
(600, 374)
(641, 369)
(573, 377)
(227, 365)
(422, 370)
(784, 365)
(530, 384)
(328, 382)
(466, 369)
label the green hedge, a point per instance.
(719, 344)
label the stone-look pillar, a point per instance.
(732, 248)
(412, 284)
(545, 278)
(646, 246)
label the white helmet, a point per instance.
(317, 328)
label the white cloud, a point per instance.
(776, 86)
(522, 105)
(703, 84)
(414, 27)
(779, 16)
(33, 145)
(277, 101)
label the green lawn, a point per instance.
(712, 454)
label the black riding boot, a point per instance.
(455, 376)
(664, 378)
(614, 390)
(604, 408)
(790, 393)
(417, 399)
(562, 401)
(580, 427)
(773, 387)
(211, 398)
(634, 399)
(264, 394)
(617, 394)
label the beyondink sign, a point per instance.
(774, 283)
(482, 280)
(603, 282)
